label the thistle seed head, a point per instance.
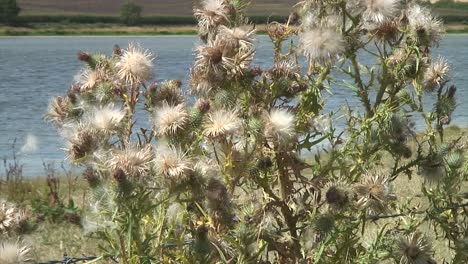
(106, 119)
(378, 11)
(170, 120)
(133, 161)
(415, 249)
(374, 193)
(322, 45)
(14, 253)
(7, 217)
(172, 164)
(135, 65)
(222, 123)
(435, 75)
(280, 125)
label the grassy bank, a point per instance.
(115, 29)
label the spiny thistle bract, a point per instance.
(253, 168)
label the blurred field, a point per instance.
(150, 7)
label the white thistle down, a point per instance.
(322, 45)
(105, 118)
(31, 144)
(171, 163)
(222, 123)
(378, 11)
(374, 193)
(236, 38)
(421, 22)
(211, 14)
(7, 217)
(435, 74)
(133, 161)
(14, 253)
(280, 125)
(135, 66)
(88, 79)
(169, 119)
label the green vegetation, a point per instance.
(130, 13)
(450, 4)
(9, 11)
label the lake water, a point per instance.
(33, 69)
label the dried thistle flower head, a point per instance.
(378, 11)
(167, 92)
(222, 123)
(426, 29)
(83, 143)
(322, 45)
(7, 217)
(280, 125)
(172, 163)
(133, 161)
(285, 69)
(233, 39)
(210, 58)
(170, 119)
(431, 168)
(276, 30)
(374, 193)
(212, 14)
(337, 195)
(106, 119)
(135, 65)
(435, 74)
(202, 82)
(387, 31)
(88, 79)
(14, 253)
(58, 110)
(415, 249)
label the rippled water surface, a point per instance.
(33, 69)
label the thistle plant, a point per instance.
(229, 178)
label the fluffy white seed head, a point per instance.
(132, 160)
(135, 66)
(88, 79)
(435, 74)
(374, 193)
(14, 253)
(280, 125)
(322, 45)
(211, 14)
(106, 118)
(171, 163)
(7, 217)
(222, 123)
(169, 119)
(427, 28)
(378, 11)
(236, 38)
(31, 144)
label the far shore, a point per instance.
(119, 30)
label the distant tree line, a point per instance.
(9, 11)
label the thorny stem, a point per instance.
(362, 90)
(285, 187)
